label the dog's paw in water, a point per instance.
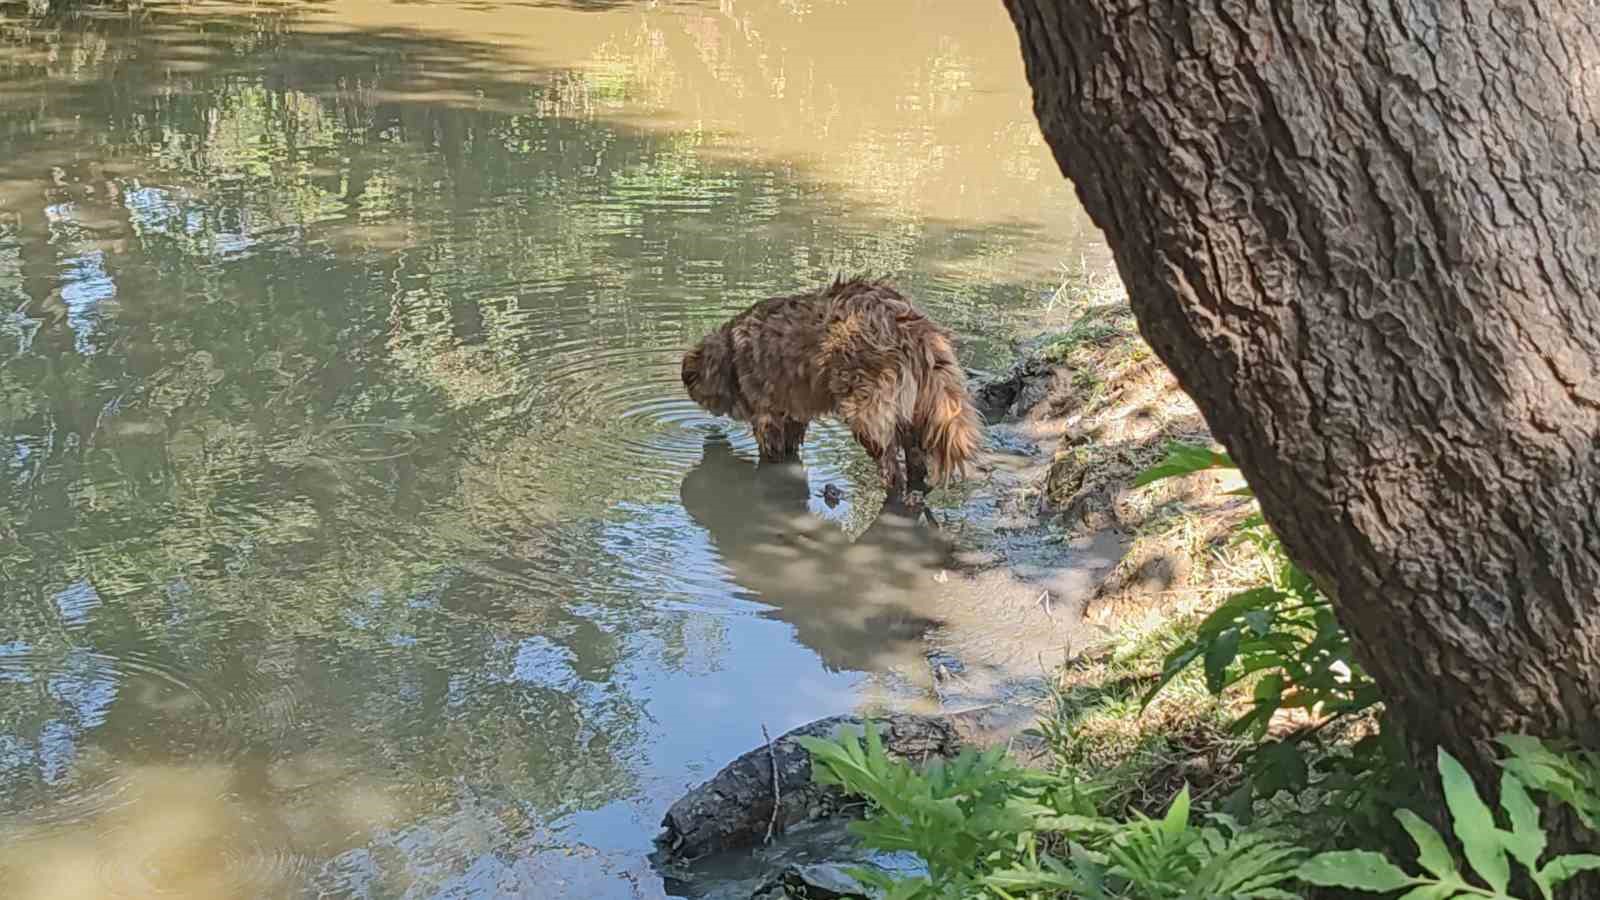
(920, 510)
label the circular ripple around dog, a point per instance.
(633, 401)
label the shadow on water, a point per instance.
(862, 603)
(337, 363)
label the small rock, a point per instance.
(831, 495)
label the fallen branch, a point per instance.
(777, 794)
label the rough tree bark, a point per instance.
(1364, 236)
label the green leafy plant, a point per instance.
(1566, 773)
(988, 828)
(1164, 859)
(1183, 459)
(963, 817)
(1284, 631)
(1283, 638)
(1360, 786)
(1489, 849)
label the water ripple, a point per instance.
(76, 689)
(365, 441)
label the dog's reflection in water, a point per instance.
(861, 605)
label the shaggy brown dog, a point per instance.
(857, 350)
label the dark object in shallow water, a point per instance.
(857, 350)
(831, 495)
(733, 809)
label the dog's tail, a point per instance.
(947, 422)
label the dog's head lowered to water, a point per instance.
(708, 374)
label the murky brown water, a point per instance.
(358, 539)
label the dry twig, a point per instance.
(777, 795)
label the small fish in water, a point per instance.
(831, 495)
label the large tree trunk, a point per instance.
(1364, 236)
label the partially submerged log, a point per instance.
(735, 808)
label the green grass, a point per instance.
(1098, 728)
(1100, 731)
(1098, 325)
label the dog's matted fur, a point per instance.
(856, 349)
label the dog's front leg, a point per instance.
(779, 437)
(768, 433)
(893, 472)
(875, 431)
(794, 435)
(916, 460)
(890, 469)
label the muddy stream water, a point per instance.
(358, 539)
